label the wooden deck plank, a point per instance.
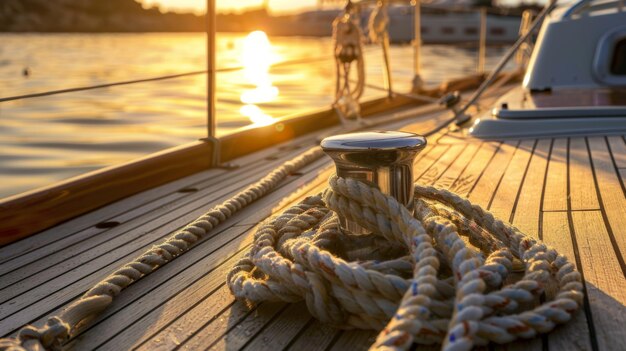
(111, 323)
(145, 321)
(210, 332)
(238, 337)
(356, 340)
(434, 172)
(483, 191)
(605, 283)
(85, 246)
(120, 232)
(528, 208)
(555, 198)
(316, 336)
(61, 296)
(41, 240)
(210, 257)
(582, 188)
(168, 325)
(278, 334)
(518, 199)
(454, 171)
(574, 335)
(504, 198)
(475, 169)
(422, 166)
(618, 149)
(172, 335)
(612, 194)
(90, 260)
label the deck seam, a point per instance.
(495, 190)
(574, 211)
(185, 310)
(521, 184)
(234, 325)
(545, 345)
(543, 191)
(617, 169)
(570, 221)
(605, 218)
(171, 297)
(334, 340)
(265, 326)
(467, 165)
(299, 333)
(446, 167)
(482, 172)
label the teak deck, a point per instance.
(568, 192)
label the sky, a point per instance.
(199, 6)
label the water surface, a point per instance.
(47, 139)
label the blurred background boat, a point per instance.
(445, 21)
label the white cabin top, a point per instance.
(580, 46)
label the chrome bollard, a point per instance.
(381, 158)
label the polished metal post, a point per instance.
(417, 45)
(383, 159)
(210, 33)
(482, 40)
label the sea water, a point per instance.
(47, 139)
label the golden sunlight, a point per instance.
(256, 115)
(257, 58)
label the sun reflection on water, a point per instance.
(257, 58)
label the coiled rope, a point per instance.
(414, 278)
(58, 329)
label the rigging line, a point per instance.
(171, 76)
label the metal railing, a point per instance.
(153, 79)
(211, 69)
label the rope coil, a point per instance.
(416, 279)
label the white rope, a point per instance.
(415, 279)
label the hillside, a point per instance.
(91, 16)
